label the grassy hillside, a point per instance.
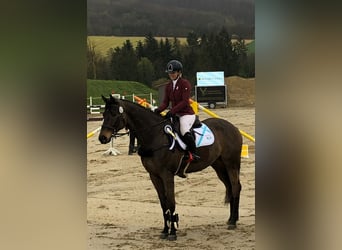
(96, 88)
(104, 43)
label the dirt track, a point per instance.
(124, 211)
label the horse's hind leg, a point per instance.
(234, 200)
(230, 177)
(222, 174)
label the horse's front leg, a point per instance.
(171, 217)
(172, 222)
(165, 188)
(160, 188)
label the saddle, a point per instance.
(200, 131)
(176, 125)
(203, 137)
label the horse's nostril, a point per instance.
(102, 139)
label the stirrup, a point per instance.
(193, 157)
(182, 175)
(181, 170)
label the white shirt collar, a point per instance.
(174, 83)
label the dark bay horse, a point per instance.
(224, 155)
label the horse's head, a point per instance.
(113, 119)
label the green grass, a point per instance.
(96, 88)
(251, 47)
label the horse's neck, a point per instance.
(142, 121)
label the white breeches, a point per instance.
(186, 122)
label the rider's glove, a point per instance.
(169, 115)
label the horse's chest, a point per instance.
(155, 166)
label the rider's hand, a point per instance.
(169, 115)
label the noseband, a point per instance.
(109, 127)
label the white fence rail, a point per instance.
(97, 108)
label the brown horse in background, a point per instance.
(224, 155)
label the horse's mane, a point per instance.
(137, 105)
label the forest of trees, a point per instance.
(170, 18)
(146, 63)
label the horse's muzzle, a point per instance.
(103, 139)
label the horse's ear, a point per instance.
(104, 99)
(113, 99)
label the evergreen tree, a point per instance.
(191, 56)
(145, 71)
(192, 39)
(240, 53)
(140, 51)
(124, 63)
(165, 49)
(223, 59)
(204, 58)
(250, 65)
(165, 55)
(151, 47)
(176, 49)
(102, 69)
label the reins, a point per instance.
(120, 134)
(149, 128)
(152, 126)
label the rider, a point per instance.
(177, 91)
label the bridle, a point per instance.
(121, 116)
(115, 132)
(111, 128)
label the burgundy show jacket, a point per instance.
(179, 98)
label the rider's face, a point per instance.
(173, 75)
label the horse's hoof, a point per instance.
(172, 237)
(231, 226)
(164, 235)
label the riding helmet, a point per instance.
(173, 66)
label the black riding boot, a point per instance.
(190, 142)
